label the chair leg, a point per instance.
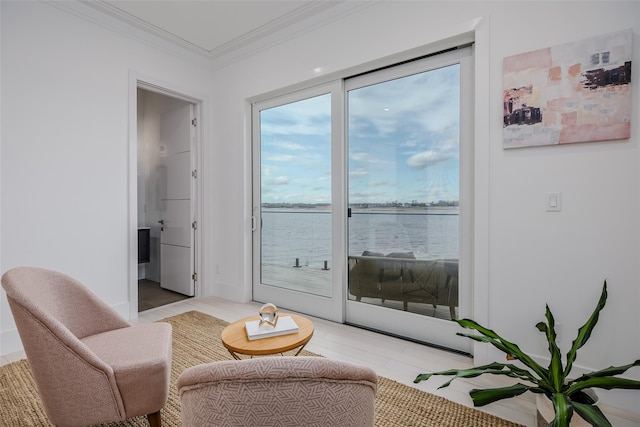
(154, 419)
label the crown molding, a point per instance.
(83, 9)
(317, 14)
(312, 15)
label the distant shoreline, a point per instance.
(367, 209)
(441, 204)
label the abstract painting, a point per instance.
(575, 92)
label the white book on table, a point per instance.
(285, 325)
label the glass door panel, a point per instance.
(295, 191)
(404, 132)
(293, 254)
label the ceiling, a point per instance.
(216, 30)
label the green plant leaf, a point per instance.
(556, 372)
(490, 366)
(585, 331)
(591, 414)
(528, 376)
(607, 372)
(457, 373)
(607, 383)
(539, 379)
(563, 410)
(425, 377)
(486, 396)
(502, 344)
(494, 368)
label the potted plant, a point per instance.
(567, 395)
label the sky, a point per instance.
(402, 143)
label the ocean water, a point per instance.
(305, 234)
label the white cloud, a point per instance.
(410, 142)
(280, 157)
(359, 172)
(428, 158)
(359, 157)
(288, 145)
(278, 180)
(382, 184)
(368, 158)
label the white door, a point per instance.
(297, 263)
(176, 219)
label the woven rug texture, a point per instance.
(196, 340)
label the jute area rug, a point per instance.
(196, 340)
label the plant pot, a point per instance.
(545, 414)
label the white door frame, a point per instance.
(136, 80)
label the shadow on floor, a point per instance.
(151, 295)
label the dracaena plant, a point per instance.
(567, 395)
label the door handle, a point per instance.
(161, 222)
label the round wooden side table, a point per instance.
(234, 338)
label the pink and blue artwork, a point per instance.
(575, 92)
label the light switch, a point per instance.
(553, 202)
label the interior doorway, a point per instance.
(166, 175)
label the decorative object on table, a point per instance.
(240, 340)
(256, 330)
(575, 92)
(268, 315)
(567, 395)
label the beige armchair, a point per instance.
(89, 364)
(278, 391)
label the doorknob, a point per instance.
(161, 221)
(161, 224)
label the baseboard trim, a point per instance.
(10, 342)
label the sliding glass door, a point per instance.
(405, 143)
(361, 208)
(294, 257)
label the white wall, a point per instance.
(64, 153)
(534, 257)
(65, 147)
(2, 303)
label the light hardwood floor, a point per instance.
(390, 357)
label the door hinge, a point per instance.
(194, 225)
(194, 277)
(194, 173)
(194, 122)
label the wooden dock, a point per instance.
(307, 279)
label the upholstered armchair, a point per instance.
(278, 391)
(89, 364)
